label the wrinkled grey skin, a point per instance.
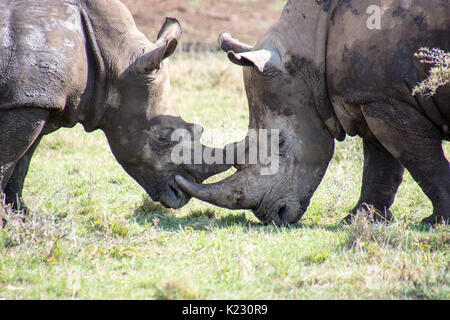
(69, 62)
(319, 74)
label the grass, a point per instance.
(94, 233)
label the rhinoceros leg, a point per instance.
(13, 190)
(412, 139)
(19, 128)
(382, 175)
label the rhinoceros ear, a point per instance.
(169, 35)
(228, 43)
(261, 59)
(166, 44)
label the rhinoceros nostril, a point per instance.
(282, 212)
(173, 191)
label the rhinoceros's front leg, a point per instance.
(412, 139)
(382, 175)
(13, 190)
(19, 128)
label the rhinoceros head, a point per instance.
(141, 119)
(280, 100)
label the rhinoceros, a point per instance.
(84, 61)
(328, 69)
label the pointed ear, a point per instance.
(166, 44)
(261, 59)
(169, 34)
(228, 43)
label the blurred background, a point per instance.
(204, 20)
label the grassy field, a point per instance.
(96, 235)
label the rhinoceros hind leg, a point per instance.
(382, 175)
(412, 139)
(19, 128)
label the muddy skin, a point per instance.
(320, 74)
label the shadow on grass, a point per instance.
(151, 213)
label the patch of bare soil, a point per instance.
(204, 20)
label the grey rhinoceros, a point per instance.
(84, 61)
(328, 69)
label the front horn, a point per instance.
(238, 191)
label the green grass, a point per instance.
(195, 3)
(96, 235)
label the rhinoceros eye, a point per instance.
(153, 71)
(164, 135)
(271, 72)
(152, 75)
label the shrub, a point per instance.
(439, 73)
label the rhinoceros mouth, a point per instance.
(282, 212)
(174, 197)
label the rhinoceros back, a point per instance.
(368, 62)
(42, 54)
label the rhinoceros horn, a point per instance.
(239, 191)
